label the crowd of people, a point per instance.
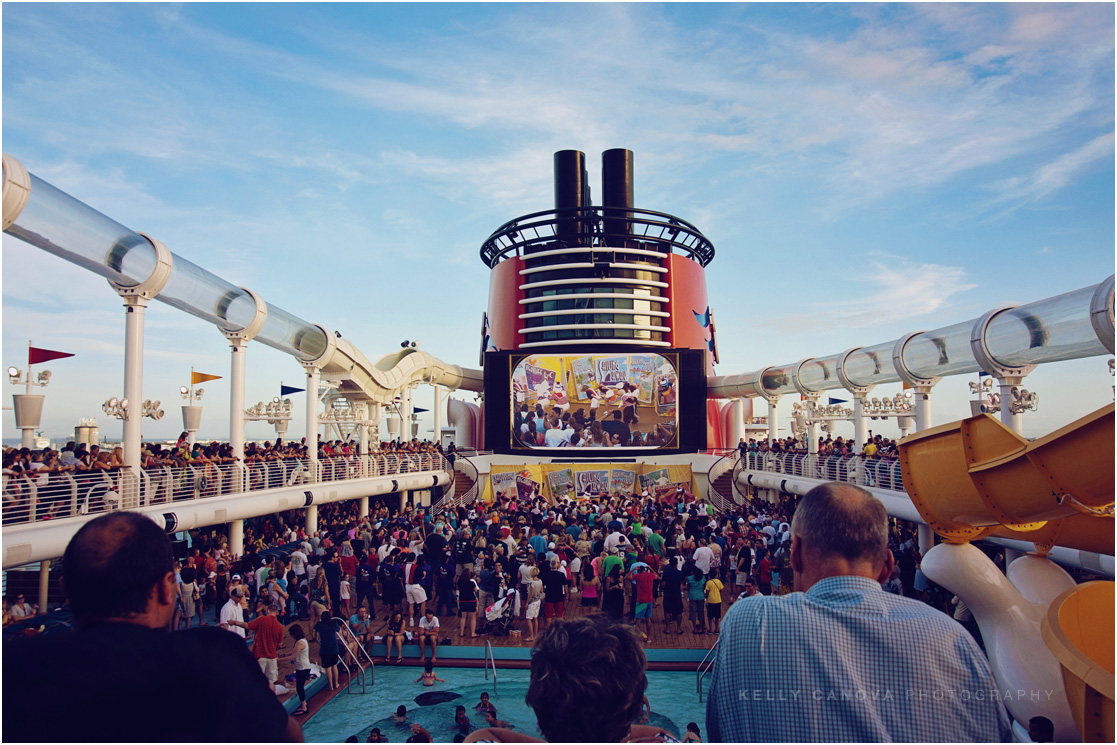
(600, 428)
(46, 474)
(875, 446)
(876, 463)
(634, 565)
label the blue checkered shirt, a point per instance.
(848, 662)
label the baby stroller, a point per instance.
(499, 616)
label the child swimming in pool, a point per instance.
(428, 677)
(461, 721)
(492, 721)
(400, 717)
(484, 704)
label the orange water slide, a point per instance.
(976, 478)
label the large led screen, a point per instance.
(595, 401)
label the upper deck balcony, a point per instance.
(631, 233)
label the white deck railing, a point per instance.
(32, 498)
(879, 473)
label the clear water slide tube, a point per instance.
(59, 224)
(1064, 327)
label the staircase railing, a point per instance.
(706, 665)
(490, 661)
(345, 636)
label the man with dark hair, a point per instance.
(122, 666)
(267, 636)
(617, 428)
(855, 663)
(587, 685)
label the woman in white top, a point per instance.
(301, 655)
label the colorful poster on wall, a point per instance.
(622, 481)
(504, 485)
(583, 373)
(612, 371)
(653, 479)
(591, 483)
(525, 486)
(641, 373)
(561, 483)
(540, 381)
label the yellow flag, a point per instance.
(197, 377)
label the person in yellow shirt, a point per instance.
(869, 450)
(713, 603)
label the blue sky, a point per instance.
(862, 170)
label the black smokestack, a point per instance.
(571, 190)
(617, 190)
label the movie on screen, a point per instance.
(595, 401)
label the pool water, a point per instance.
(672, 695)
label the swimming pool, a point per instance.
(672, 695)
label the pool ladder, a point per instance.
(490, 660)
(706, 665)
(345, 635)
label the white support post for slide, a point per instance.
(236, 538)
(773, 411)
(860, 426)
(312, 378)
(238, 350)
(738, 423)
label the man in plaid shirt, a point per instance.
(841, 660)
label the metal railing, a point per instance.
(466, 467)
(345, 636)
(879, 473)
(610, 228)
(489, 658)
(34, 497)
(706, 665)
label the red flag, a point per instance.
(36, 355)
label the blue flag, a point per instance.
(285, 389)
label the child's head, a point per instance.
(459, 711)
(401, 711)
(490, 715)
(693, 727)
(428, 666)
(484, 697)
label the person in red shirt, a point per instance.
(267, 636)
(764, 572)
(645, 598)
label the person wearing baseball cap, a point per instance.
(233, 610)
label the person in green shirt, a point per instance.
(610, 561)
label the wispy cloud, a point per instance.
(1055, 175)
(888, 289)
